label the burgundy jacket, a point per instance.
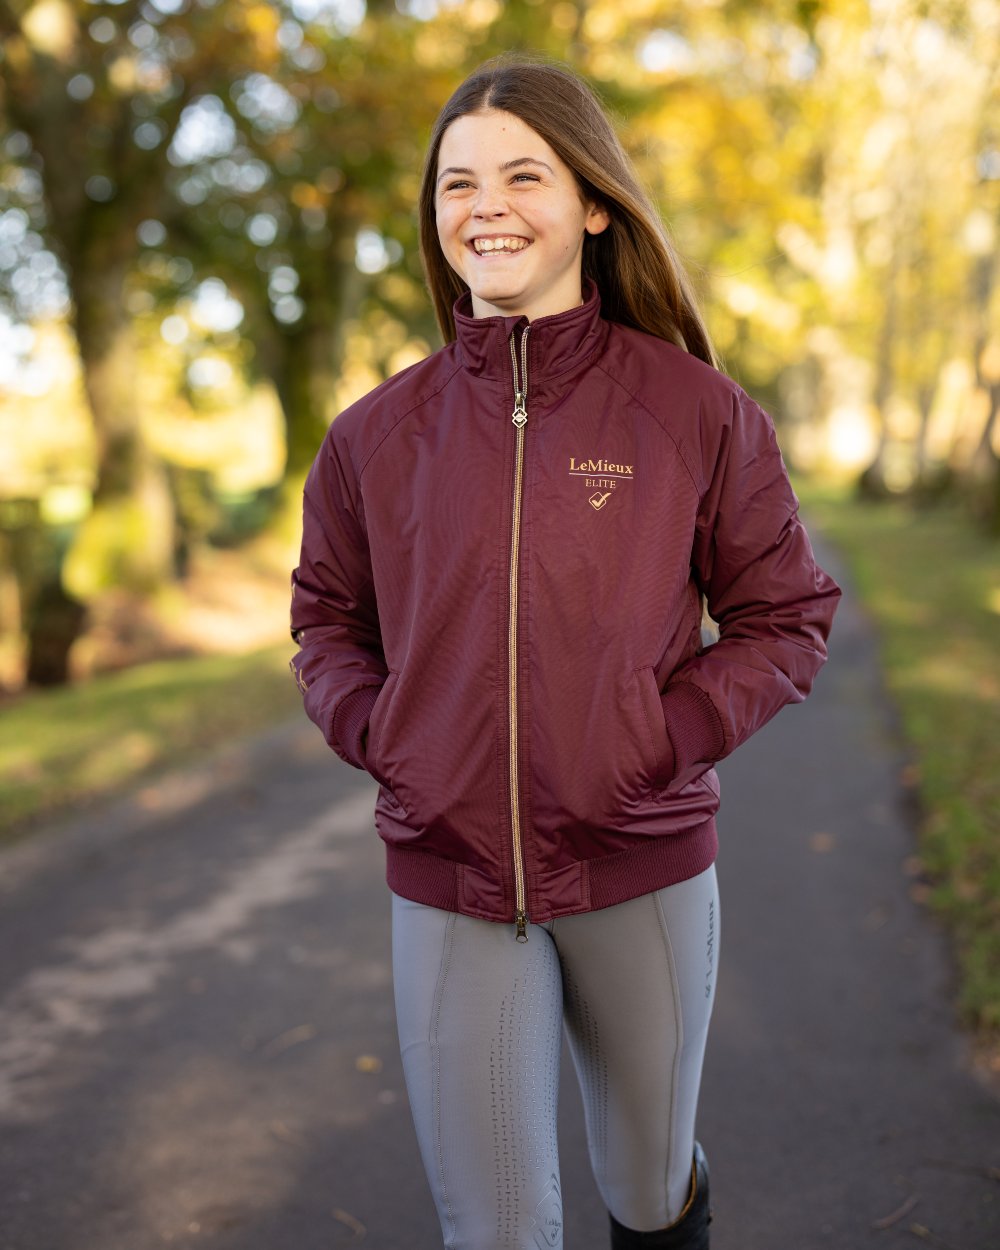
(499, 609)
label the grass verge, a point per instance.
(932, 585)
(67, 746)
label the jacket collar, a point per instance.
(558, 345)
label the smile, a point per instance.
(502, 243)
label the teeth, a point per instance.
(512, 244)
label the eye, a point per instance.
(457, 185)
(525, 178)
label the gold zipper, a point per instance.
(520, 419)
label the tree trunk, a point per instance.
(54, 623)
(50, 618)
(932, 482)
(872, 483)
(984, 470)
(304, 361)
(307, 375)
(128, 538)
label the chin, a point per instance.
(497, 295)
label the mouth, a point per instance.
(500, 244)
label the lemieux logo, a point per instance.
(602, 476)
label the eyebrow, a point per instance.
(507, 165)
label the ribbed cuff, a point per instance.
(694, 727)
(350, 722)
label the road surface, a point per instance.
(197, 1042)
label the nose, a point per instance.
(489, 201)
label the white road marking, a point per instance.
(55, 1004)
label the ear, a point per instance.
(598, 219)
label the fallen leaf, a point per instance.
(894, 1217)
(292, 1037)
(354, 1224)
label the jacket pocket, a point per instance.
(375, 724)
(657, 750)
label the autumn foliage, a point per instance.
(207, 245)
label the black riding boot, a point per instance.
(689, 1232)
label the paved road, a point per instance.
(196, 1030)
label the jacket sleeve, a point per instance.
(340, 666)
(774, 605)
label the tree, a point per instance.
(296, 160)
(98, 89)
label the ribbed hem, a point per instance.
(652, 864)
(694, 726)
(350, 722)
(423, 878)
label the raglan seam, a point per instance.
(418, 403)
(681, 451)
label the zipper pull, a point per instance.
(520, 413)
(521, 920)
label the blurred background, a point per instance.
(208, 248)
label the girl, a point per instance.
(498, 605)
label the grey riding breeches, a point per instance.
(480, 1017)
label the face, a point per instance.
(510, 217)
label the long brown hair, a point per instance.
(641, 281)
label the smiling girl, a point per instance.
(510, 222)
(505, 555)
